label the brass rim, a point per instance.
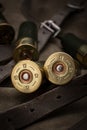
(59, 68)
(26, 76)
(26, 50)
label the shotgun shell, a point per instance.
(26, 45)
(59, 68)
(26, 76)
(75, 46)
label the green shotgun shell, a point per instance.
(6, 31)
(75, 46)
(59, 68)
(26, 45)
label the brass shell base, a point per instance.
(26, 76)
(25, 50)
(59, 68)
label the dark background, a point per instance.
(17, 11)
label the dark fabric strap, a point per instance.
(44, 104)
(81, 125)
(5, 70)
(44, 34)
(6, 52)
(76, 3)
